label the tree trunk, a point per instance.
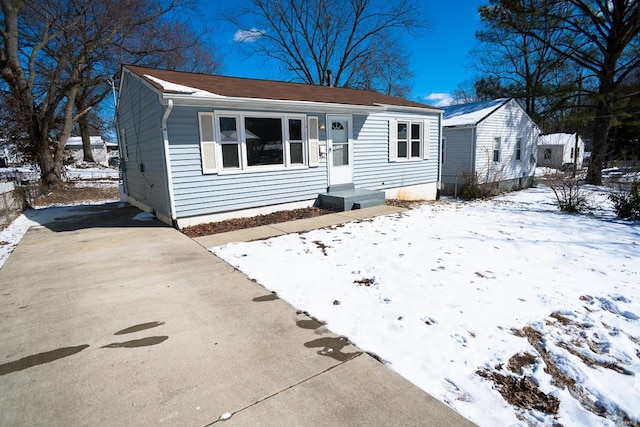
(50, 170)
(85, 133)
(601, 130)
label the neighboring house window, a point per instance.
(409, 140)
(519, 149)
(496, 149)
(547, 153)
(572, 152)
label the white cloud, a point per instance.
(439, 99)
(248, 36)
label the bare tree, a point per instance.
(527, 67)
(358, 40)
(55, 53)
(604, 44)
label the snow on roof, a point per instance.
(177, 88)
(557, 139)
(472, 113)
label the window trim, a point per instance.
(497, 141)
(242, 146)
(238, 142)
(423, 145)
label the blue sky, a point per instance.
(439, 59)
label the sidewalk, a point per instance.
(109, 321)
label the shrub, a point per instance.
(626, 201)
(471, 189)
(568, 191)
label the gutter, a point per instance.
(258, 103)
(165, 137)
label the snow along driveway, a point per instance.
(507, 310)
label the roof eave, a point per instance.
(466, 125)
(391, 107)
(263, 103)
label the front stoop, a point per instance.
(345, 198)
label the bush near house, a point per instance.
(626, 201)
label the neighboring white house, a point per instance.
(101, 149)
(198, 148)
(560, 150)
(492, 142)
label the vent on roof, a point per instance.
(329, 82)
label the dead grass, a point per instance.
(256, 221)
(70, 194)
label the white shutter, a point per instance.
(207, 143)
(314, 156)
(393, 140)
(426, 142)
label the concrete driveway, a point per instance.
(109, 321)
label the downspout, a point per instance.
(474, 144)
(165, 135)
(440, 157)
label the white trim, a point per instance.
(425, 144)
(349, 120)
(393, 140)
(242, 141)
(243, 213)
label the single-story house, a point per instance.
(197, 148)
(561, 150)
(491, 142)
(102, 150)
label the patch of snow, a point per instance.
(144, 216)
(471, 113)
(174, 87)
(454, 280)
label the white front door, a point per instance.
(340, 150)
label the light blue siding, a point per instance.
(144, 172)
(196, 193)
(372, 168)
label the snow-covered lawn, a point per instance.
(508, 310)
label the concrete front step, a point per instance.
(352, 198)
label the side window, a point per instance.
(295, 143)
(416, 139)
(496, 149)
(519, 149)
(229, 142)
(406, 140)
